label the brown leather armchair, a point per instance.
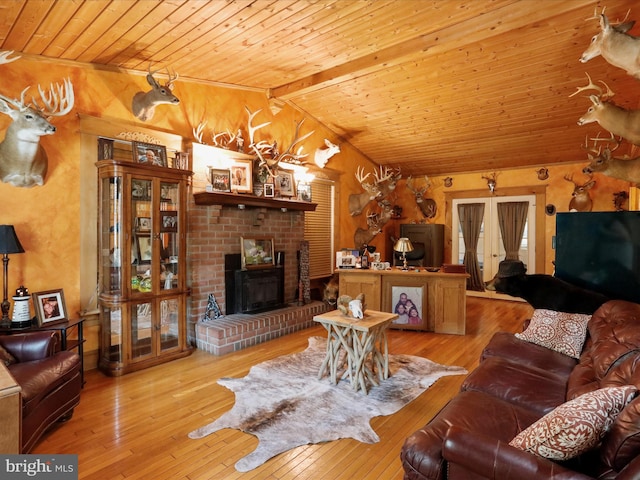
(49, 379)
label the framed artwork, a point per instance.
(143, 248)
(168, 221)
(408, 299)
(143, 224)
(50, 306)
(304, 192)
(257, 252)
(242, 176)
(284, 184)
(269, 190)
(220, 179)
(149, 154)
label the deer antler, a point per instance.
(612, 138)
(422, 190)
(59, 102)
(4, 57)
(252, 129)
(592, 86)
(197, 131)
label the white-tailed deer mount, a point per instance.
(581, 200)
(615, 45)
(268, 154)
(322, 155)
(4, 57)
(602, 161)
(385, 182)
(144, 104)
(491, 181)
(23, 161)
(375, 222)
(427, 206)
(616, 120)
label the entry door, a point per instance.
(490, 247)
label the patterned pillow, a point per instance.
(6, 357)
(559, 331)
(575, 426)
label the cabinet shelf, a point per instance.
(233, 200)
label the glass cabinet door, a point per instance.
(141, 330)
(142, 237)
(169, 323)
(111, 235)
(169, 237)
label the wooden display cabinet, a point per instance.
(142, 265)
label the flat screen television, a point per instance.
(600, 251)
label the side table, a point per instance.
(70, 333)
(364, 342)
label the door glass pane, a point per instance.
(142, 238)
(141, 328)
(112, 335)
(111, 223)
(169, 235)
(169, 323)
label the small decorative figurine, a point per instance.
(352, 307)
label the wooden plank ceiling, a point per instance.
(432, 86)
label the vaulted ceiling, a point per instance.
(432, 86)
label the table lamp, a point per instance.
(403, 245)
(9, 243)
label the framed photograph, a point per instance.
(257, 253)
(149, 154)
(220, 179)
(168, 221)
(140, 189)
(408, 300)
(143, 224)
(304, 192)
(242, 176)
(269, 190)
(284, 184)
(143, 248)
(50, 307)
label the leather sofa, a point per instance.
(518, 382)
(49, 380)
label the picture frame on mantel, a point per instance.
(242, 176)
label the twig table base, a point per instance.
(362, 343)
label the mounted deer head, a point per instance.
(614, 119)
(615, 45)
(23, 161)
(144, 104)
(603, 162)
(385, 182)
(375, 222)
(427, 206)
(491, 181)
(322, 155)
(581, 200)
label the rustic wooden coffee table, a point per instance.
(364, 343)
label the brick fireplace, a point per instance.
(215, 231)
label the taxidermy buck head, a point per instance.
(614, 44)
(427, 206)
(322, 155)
(603, 161)
(23, 161)
(144, 104)
(616, 120)
(581, 200)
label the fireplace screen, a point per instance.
(257, 253)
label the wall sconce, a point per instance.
(283, 209)
(241, 206)
(9, 243)
(403, 245)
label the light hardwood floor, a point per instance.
(136, 426)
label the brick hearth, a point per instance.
(235, 332)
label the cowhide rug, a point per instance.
(282, 402)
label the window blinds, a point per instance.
(318, 229)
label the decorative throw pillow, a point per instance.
(575, 426)
(559, 331)
(6, 357)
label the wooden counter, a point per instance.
(10, 412)
(441, 297)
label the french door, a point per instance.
(490, 249)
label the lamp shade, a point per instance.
(403, 245)
(9, 242)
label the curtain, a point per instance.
(471, 215)
(512, 217)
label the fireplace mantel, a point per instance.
(249, 201)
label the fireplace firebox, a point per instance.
(255, 290)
